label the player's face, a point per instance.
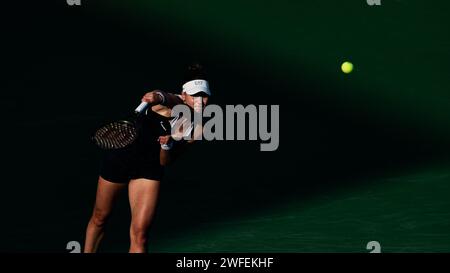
(195, 101)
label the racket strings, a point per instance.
(115, 135)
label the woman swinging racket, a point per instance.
(140, 165)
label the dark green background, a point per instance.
(362, 157)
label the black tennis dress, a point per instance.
(141, 158)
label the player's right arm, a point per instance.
(162, 101)
(160, 97)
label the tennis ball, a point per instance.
(347, 67)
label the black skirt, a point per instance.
(141, 158)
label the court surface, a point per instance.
(404, 213)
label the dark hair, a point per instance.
(195, 71)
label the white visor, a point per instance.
(196, 86)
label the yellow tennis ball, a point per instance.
(347, 67)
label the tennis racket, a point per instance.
(119, 134)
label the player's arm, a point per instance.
(156, 97)
(161, 102)
(170, 149)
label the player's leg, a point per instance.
(143, 195)
(106, 194)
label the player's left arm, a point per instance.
(170, 149)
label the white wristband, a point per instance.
(167, 147)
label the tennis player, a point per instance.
(140, 166)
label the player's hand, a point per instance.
(164, 140)
(152, 97)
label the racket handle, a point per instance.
(141, 108)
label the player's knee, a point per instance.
(99, 217)
(138, 233)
